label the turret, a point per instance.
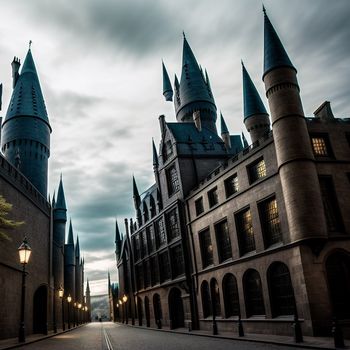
(225, 135)
(296, 164)
(256, 118)
(26, 126)
(60, 209)
(136, 195)
(88, 300)
(78, 273)
(117, 241)
(16, 63)
(167, 89)
(194, 94)
(69, 263)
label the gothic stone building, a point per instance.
(232, 231)
(25, 146)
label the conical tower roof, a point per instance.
(77, 248)
(61, 201)
(27, 98)
(224, 129)
(134, 187)
(193, 87)
(70, 233)
(167, 89)
(252, 103)
(155, 154)
(87, 287)
(275, 56)
(117, 233)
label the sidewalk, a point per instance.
(308, 343)
(13, 343)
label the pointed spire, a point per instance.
(224, 129)
(70, 233)
(61, 201)
(245, 142)
(77, 249)
(252, 103)
(155, 154)
(167, 89)
(27, 98)
(136, 195)
(275, 55)
(117, 233)
(53, 199)
(87, 287)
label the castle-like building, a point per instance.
(54, 264)
(231, 231)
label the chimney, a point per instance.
(16, 63)
(162, 123)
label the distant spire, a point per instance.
(117, 233)
(136, 195)
(224, 129)
(61, 201)
(275, 55)
(53, 199)
(77, 248)
(155, 155)
(167, 89)
(30, 44)
(70, 233)
(245, 142)
(87, 287)
(252, 103)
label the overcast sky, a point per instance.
(99, 63)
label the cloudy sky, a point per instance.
(99, 63)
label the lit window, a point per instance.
(245, 231)
(319, 146)
(223, 241)
(257, 170)
(231, 185)
(206, 248)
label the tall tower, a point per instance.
(78, 274)
(69, 264)
(26, 128)
(297, 170)
(193, 95)
(88, 300)
(256, 118)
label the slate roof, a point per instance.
(27, 98)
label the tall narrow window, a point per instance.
(231, 185)
(213, 197)
(164, 264)
(145, 212)
(173, 180)
(206, 300)
(206, 248)
(177, 260)
(215, 297)
(137, 247)
(151, 239)
(281, 290)
(139, 276)
(173, 224)
(231, 300)
(245, 231)
(270, 222)
(253, 293)
(199, 206)
(257, 170)
(320, 145)
(154, 270)
(152, 208)
(330, 204)
(160, 232)
(143, 243)
(147, 273)
(223, 241)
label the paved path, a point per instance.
(111, 336)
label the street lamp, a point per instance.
(74, 316)
(61, 294)
(69, 299)
(121, 305)
(79, 313)
(125, 299)
(24, 251)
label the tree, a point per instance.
(5, 223)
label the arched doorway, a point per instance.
(231, 299)
(40, 310)
(139, 310)
(147, 312)
(338, 275)
(157, 307)
(253, 293)
(176, 309)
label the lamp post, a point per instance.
(69, 299)
(121, 303)
(61, 294)
(79, 313)
(118, 317)
(125, 299)
(74, 316)
(24, 251)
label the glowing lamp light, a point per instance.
(60, 292)
(79, 306)
(69, 298)
(120, 302)
(24, 251)
(125, 298)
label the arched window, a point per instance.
(253, 294)
(231, 299)
(338, 275)
(215, 295)
(152, 206)
(145, 212)
(281, 290)
(206, 300)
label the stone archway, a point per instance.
(40, 310)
